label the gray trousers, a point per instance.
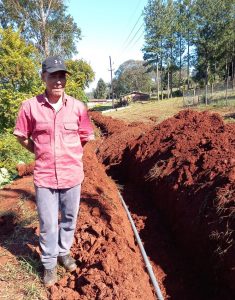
(56, 239)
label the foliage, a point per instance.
(12, 152)
(73, 90)
(101, 90)
(80, 77)
(44, 23)
(9, 106)
(131, 76)
(19, 75)
(186, 34)
(215, 38)
(81, 72)
(19, 63)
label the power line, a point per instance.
(132, 30)
(141, 26)
(139, 37)
(131, 17)
(133, 36)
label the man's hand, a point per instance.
(26, 143)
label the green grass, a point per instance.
(21, 282)
(159, 110)
(20, 275)
(102, 107)
(144, 111)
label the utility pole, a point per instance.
(111, 70)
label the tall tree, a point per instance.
(184, 33)
(215, 37)
(80, 77)
(154, 34)
(19, 75)
(19, 63)
(161, 37)
(44, 23)
(101, 90)
(132, 76)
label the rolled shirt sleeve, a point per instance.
(23, 126)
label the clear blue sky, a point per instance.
(109, 28)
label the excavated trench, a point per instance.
(178, 180)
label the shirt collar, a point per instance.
(45, 99)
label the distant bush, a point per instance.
(177, 93)
(12, 153)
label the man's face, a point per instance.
(55, 84)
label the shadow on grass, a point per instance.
(18, 229)
(20, 240)
(229, 116)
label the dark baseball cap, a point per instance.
(53, 64)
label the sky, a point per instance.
(110, 28)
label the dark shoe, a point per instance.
(68, 262)
(50, 277)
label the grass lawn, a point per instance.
(157, 111)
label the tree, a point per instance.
(159, 37)
(81, 75)
(204, 28)
(19, 63)
(101, 90)
(44, 23)
(215, 38)
(131, 76)
(19, 75)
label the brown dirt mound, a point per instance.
(116, 136)
(111, 266)
(110, 263)
(25, 169)
(187, 165)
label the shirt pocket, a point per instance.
(70, 133)
(41, 134)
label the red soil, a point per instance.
(186, 165)
(110, 263)
(185, 168)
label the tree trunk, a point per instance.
(168, 83)
(227, 75)
(188, 63)
(161, 73)
(44, 16)
(206, 100)
(171, 84)
(157, 82)
(233, 68)
(180, 77)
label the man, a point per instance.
(55, 127)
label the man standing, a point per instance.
(55, 127)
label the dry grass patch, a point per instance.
(158, 111)
(19, 279)
(151, 111)
(20, 269)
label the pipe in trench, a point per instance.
(145, 257)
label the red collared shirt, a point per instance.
(57, 138)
